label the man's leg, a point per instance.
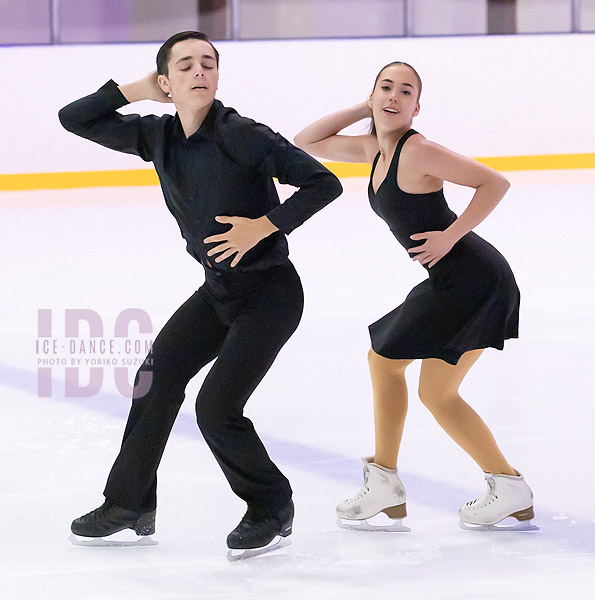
(261, 327)
(189, 340)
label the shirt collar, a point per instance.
(205, 127)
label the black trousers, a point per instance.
(243, 320)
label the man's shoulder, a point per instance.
(158, 127)
(158, 120)
(228, 118)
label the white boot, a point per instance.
(383, 492)
(507, 496)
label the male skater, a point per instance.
(213, 165)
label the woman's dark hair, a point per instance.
(396, 62)
(165, 50)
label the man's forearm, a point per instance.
(133, 92)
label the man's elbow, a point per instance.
(66, 120)
(335, 189)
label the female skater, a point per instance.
(469, 302)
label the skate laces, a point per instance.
(96, 514)
(365, 489)
(487, 498)
(108, 511)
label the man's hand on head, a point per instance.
(146, 88)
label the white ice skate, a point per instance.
(506, 506)
(379, 505)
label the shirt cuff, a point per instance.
(111, 92)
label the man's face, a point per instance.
(192, 77)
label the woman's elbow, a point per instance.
(497, 182)
(299, 141)
(504, 183)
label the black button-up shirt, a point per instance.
(225, 168)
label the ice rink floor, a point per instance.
(109, 249)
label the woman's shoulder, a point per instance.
(417, 147)
(416, 140)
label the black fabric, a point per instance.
(223, 169)
(243, 320)
(470, 299)
(241, 316)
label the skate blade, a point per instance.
(113, 540)
(508, 524)
(235, 554)
(378, 522)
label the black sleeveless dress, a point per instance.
(470, 299)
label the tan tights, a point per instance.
(439, 384)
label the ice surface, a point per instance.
(111, 249)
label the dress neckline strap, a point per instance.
(394, 162)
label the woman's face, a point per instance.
(394, 101)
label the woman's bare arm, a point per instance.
(321, 137)
(490, 186)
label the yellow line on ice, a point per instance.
(140, 177)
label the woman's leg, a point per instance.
(383, 490)
(439, 384)
(390, 406)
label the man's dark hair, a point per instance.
(165, 50)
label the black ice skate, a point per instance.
(253, 537)
(102, 527)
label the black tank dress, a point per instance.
(470, 299)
